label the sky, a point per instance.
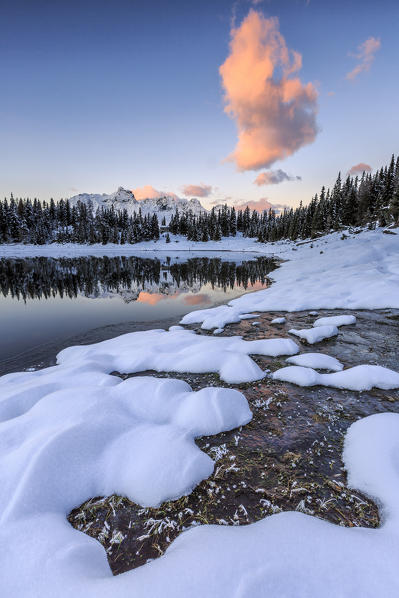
(241, 101)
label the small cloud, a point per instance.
(331, 93)
(360, 168)
(366, 54)
(149, 192)
(274, 177)
(274, 111)
(200, 190)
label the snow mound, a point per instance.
(133, 432)
(375, 472)
(315, 335)
(335, 321)
(360, 377)
(278, 321)
(179, 351)
(219, 317)
(318, 361)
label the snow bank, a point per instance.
(315, 335)
(360, 377)
(335, 321)
(318, 361)
(360, 272)
(232, 248)
(179, 351)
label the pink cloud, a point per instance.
(149, 192)
(360, 168)
(200, 190)
(366, 54)
(275, 113)
(274, 177)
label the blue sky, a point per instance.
(101, 94)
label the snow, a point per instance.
(73, 431)
(318, 361)
(278, 321)
(82, 442)
(179, 246)
(94, 438)
(361, 458)
(179, 351)
(315, 335)
(360, 272)
(360, 377)
(335, 321)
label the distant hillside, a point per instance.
(163, 207)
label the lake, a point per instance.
(49, 303)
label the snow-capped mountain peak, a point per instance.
(164, 206)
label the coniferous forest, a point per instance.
(371, 200)
(26, 221)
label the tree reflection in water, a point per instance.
(41, 277)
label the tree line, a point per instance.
(36, 222)
(42, 278)
(371, 200)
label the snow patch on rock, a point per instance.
(278, 321)
(318, 361)
(335, 321)
(315, 335)
(360, 377)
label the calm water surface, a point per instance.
(49, 303)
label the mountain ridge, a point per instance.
(163, 206)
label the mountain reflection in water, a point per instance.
(131, 278)
(49, 303)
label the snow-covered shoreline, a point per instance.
(360, 271)
(178, 244)
(75, 430)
